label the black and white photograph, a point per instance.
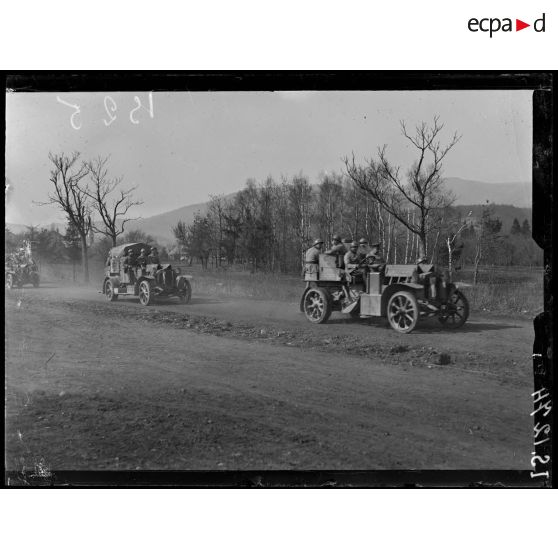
(271, 279)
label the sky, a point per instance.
(195, 144)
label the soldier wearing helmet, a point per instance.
(374, 258)
(353, 257)
(363, 248)
(337, 249)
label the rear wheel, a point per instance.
(109, 291)
(317, 305)
(185, 291)
(457, 311)
(403, 312)
(145, 293)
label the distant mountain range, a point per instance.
(512, 198)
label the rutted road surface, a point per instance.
(242, 384)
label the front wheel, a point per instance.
(109, 291)
(403, 312)
(145, 293)
(317, 305)
(456, 312)
(185, 291)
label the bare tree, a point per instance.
(421, 190)
(69, 196)
(111, 205)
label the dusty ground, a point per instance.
(245, 384)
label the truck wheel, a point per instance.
(185, 291)
(403, 312)
(145, 293)
(317, 305)
(457, 311)
(109, 291)
(302, 300)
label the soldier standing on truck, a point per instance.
(127, 264)
(312, 256)
(337, 249)
(141, 260)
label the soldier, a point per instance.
(338, 249)
(363, 247)
(374, 257)
(142, 258)
(153, 257)
(127, 264)
(312, 257)
(353, 260)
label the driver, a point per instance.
(374, 258)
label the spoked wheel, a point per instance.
(317, 305)
(9, 281)
(457, 311)
(185, 291)
(145, 293)
(109, 291)
(403, 312)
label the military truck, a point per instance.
(18, 274)
(148, 282)
(401, 293)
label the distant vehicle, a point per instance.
(18, 274)
(148, 282)
(401, 293)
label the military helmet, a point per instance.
(318, 241)
(154, 249)
(337, 238)
(363, 241)
(142, 251)
(354, 244)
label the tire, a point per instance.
(9, 281)
(317, 305)
(145, 293)
(109, 291)
(457, 312)
(402, 311)
(302, 300)
(185, 292)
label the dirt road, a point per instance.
(242, 384)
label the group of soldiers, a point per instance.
(19, 258)
(356, 259)
(130, 260)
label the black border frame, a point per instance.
(542, 85)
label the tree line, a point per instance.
(268, 226)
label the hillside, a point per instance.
(506, 214)
(472, 192)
